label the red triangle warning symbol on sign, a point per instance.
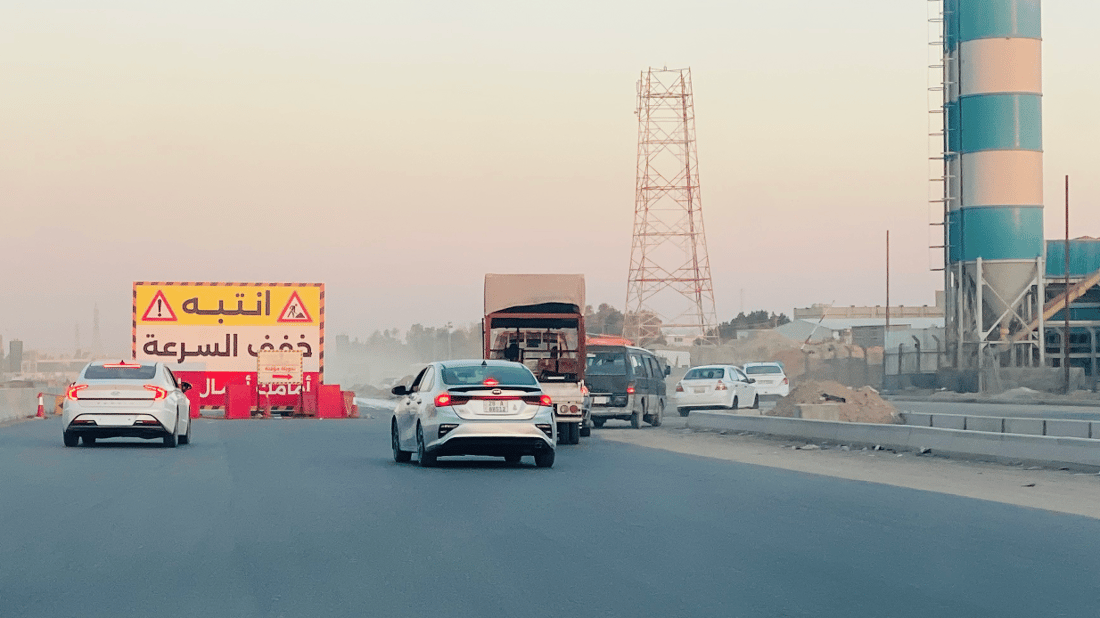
(159, 310)
(295, 310)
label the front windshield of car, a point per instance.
(505, 375)
(759, 369)
(606, 364)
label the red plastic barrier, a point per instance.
(308, 405)
(330, 402)
(239, 400)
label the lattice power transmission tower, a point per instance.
(669, 291)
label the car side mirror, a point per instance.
(400, 390)
(185, 386)
(752, 380)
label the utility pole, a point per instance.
(886, 329)
(1065, 337)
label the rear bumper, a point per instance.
(147, 432)
(492, 439)
(708, 400)
(779, 390)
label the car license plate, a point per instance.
(700, 389)
(496, 407)
(600, 400)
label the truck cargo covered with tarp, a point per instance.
(538, 320)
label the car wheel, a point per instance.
(399, 455)
(636, 418)
(733, 404)
(71, 439)
(598, 422)
(423, 457)
(186, 438)
(512, 459)
(171, 440)
(656, 417)
(756, 403)
(88, 440)
(574, 433)
(683, 411)
(545, 458)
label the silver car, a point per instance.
(127, 399)
(473, 407)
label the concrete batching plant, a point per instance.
(993, 183)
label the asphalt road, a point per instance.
(1086, 413)
(312, 518)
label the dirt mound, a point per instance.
(861, 405)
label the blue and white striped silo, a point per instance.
(993, 138)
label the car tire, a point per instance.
(399, 455)
(70, 438)
(683, 411)
(656, 418)
(756, 403)
(545, 458)
(636, 418)
(88, 440)
(423, 457)
(574, 433)
(512, 459)
(734, 404)
(598, 422)
(171, 440)
(186, 438)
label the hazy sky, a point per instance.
(398, 151)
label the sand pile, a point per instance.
(863, 405)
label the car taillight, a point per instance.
(679, 387)
(491, 382)
(785, 381)
(74, 389)
(158, 392)
(546, 401)
(442, 400)
(630, 390)
(720, 386)
(122, 365)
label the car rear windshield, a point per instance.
(606, 364)
(101, 372)
(505, 375)
(758, 369)
(706, 373)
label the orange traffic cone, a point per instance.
(41, 410)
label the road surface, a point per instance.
(313, 518)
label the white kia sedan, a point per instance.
(770, 378)
(126, 399)
(714, 386)
(489, 408)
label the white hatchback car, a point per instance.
(126, 399)
(714, 386)
(770, 378)
(473, 407)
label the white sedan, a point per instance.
(126, 399)
(473, 407)
(715, 386)
(770, 378)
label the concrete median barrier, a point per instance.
(17, 403)
(1077, 453)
